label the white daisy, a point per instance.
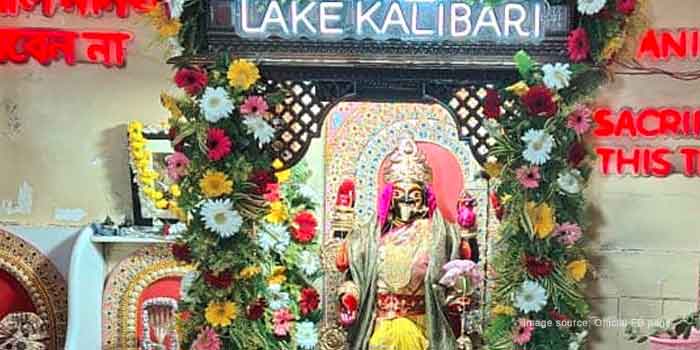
(306, 335)
(531, 297)
(260, 129)
(309, 262)
(556, 76)
(590, 7)
(220, 217)
(274, 237)
(539, 145)
(216, 104)
(570, 181)
(277, 298)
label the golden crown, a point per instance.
(407, 163)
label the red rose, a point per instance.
(308, 301)
(539, 101)
(578, 45)
(256, 310)
(626, 7)
(304, 228)
(492, 104)
(576, 154)
(261, 178)
(538, 268)
(221, 280)
(181, 252)
(193, 80)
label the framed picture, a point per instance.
(156, 149)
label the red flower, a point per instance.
(181, 252)
(540, 101)
(576, 154)
(626, 7)
(304, 228)
(578, 45)
(492, 104)
(498, 208)
(256, 310)
(193, 80)
(221, 280)
(218, 144)
(346, 194)
(261, 178)
(272, 192)
(558, 316)
(538, 268)
(308, 301)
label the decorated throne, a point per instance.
(33, 310)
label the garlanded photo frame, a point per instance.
(156, 148)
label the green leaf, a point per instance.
(525, 64)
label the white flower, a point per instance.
(177, 228)
(260, 129)
(308, 192)
(176, 7)
(306, 335)
(590, 7)
(277, 298)
(539, 146)
(216, 104)
(274, 237)
(174, 47)
(531, 297)
(493, 127)
(309, 262)
(578, 342)
(557, 76)
(187, 282)
(570, 181)
(220, 217)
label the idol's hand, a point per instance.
(348, 310)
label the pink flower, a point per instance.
(177, 165)
(578, 45)
(193, 80)
(385, 203)
(207, 340)
(218, 144)
(579, 120)
(282, 322)
(529, 177)
(523, 332)
(254, 105)
(466, 217)
(459, 268)
(567, 233)
(431, 199)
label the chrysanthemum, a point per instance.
(215, 184)
(216, 104)
(282, 322)
(177, 165)
(540, 102)
(531, 297)
(260, 129)
(528, 176)
(570, 181)
(306, 335)
(277, 298)
(578, 45)
(192, 80)
(254, 106)
(556, 76)
(577, 269)
(579, 120)
(590, 7)
(220, 314)
(274, 237)
(568, 233)
(309, 262)
(220, 217)
(542, 218)
(218, 144)
(278, 213)
(242, 74)
(539, 145)
(523, 331)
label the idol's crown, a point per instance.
(407, 163)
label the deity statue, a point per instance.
(394, 298)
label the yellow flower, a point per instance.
(249, 272)
(242, 74)
(221, 314)
(520, 88)
(135, 128)
(215, 184)
(175, 190)
(612, 48)
(138, 153)
(577, 269)
(277, 276)
(147, 181)
(162, 204)
(170, 103)
(278, 213)
(504, 310)
(177, 211)
(493, 169)
(283, 176)
(277, 164)
(542, 218)
(167, 27)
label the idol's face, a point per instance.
(408, 202)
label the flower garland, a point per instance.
(541, 165)
(251, 229)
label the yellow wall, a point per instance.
(70, 148)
